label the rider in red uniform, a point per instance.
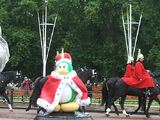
(130, 68)
(142, 74)
(141, 77)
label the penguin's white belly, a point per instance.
(66, 95)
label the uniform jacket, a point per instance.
(140, 78)
(129, 71)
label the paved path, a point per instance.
(20, 114)
(17, 114)
(113, 116)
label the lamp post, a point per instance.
(128, 33)
(43, 36)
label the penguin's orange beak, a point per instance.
(63, 71)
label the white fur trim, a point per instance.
(67, 60)
(65, 79)
(83, 102)
(50, 107)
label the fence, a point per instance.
(96, 97)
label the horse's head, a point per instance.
(17, 76)
(88, 74)
(94, 77)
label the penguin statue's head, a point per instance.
(63, 63)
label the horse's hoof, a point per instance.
(107, 115)
(127, 116)
(148, 116)
(86, 113)
(11, 110)
(27, 109)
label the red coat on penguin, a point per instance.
(63, 86)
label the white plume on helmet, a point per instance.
(140, 55)
(130, 59)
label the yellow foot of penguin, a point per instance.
(57, 108)
(69, 107)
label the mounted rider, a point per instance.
(130, 68)
(141, 78)
(143, 75)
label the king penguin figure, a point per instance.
(63, 91)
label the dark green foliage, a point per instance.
(90, 30)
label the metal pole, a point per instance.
(51, 37)
(45, 35)
(130, 44)
(125, 34)
(128, 31)
(137, 35)
(0, 31)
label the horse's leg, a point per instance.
(122, 101)
(30, 103)
(9, 104)
(111, 102)
(42, 110)
(111, 97)
(140, 102)
(148, 107)
(144, 104)
(115, 108)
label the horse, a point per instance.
(109, 83)
(156, 76)
(5, 78)
(88, 74)
(83, 74)
(121, 89)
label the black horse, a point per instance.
(5, 78)
(141, 100)
(120, 89)
(84, 75)
(156, 76)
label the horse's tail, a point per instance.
(108, 85)
(36, 91)
(104, 92)
(111, 87)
